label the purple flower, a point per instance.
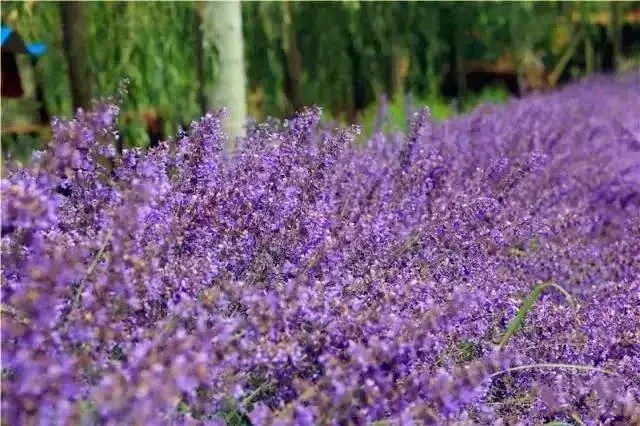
(305, 278)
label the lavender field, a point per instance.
(483, 270)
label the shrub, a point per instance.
(307, 279)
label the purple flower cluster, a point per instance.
(484, 270)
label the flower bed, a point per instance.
(478, 270)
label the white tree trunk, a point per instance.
(223, 31)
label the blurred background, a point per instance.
(266, 59)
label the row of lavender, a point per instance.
(480, 270)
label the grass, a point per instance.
(527, 305)
(441, 109)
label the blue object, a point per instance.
(36, 49)
(6, 32)
(12, 42)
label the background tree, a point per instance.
(616, 33)
(292, 57)
(340, 55)
(72, 18)
(200, 58)
(223, 36)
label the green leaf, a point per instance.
(528, 304)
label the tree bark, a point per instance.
(43, 112)
(517, 48)
(616, 35)
(223, 31)
(200, 54)
(73, 43)
(294, 62)
(461, 75)
(589, 54)
(433, 84)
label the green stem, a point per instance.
(579, 367)
(527, 305)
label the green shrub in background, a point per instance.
(396, 119)
(151, 44)
(341, 46)
(492, 94)
(441, 109)
(346, 51)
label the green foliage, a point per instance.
(232, 415)
(467, 351)
(153, 44)
(351, 52)
(183, 407)
(88, 412)
(263, 33)
(441, 109)
(20, 148)
(396, 119)
(41, 22)
(529, 302)
(534, 244)
(492, 94)
(135, 134)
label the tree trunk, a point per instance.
(223, 31)
(73, 43)
(589, 56)
(294, 62)
(400, 72)
(461, 75)
(357, 83)
(433, 83)
(616, 34)
(202, 97)
(43, 112)
(516, 48)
